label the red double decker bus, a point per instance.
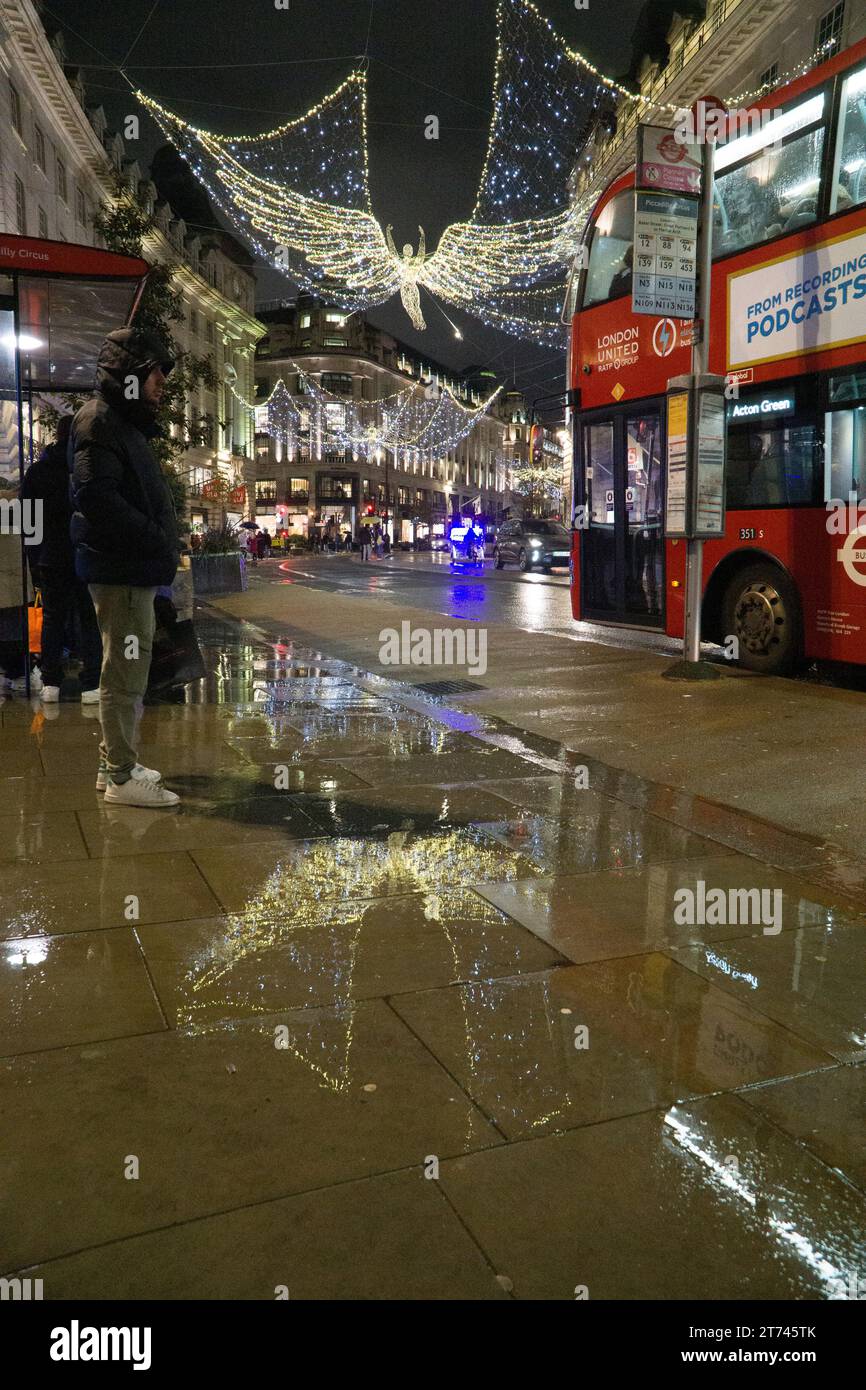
(788, 325)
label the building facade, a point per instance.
(729, 49)
(335, 367)
(539, 461)
(59, 165)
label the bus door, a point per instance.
(622, 549)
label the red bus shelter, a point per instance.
(58, 300)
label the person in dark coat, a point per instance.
(64, 597)
(124, 531)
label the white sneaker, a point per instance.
(139, 774)
(138, 793)
(51, 694)
(88, 697)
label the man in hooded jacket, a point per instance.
(124, 531)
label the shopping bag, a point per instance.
(176, 659)
(34, 624)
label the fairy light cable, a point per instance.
(300, 192)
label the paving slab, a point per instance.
(217, 1118)
(394, 863)
(89, 894)
(704, 1201)
(573, 1046)
(79, 988)
(811, 980)
(385, 1238)
(623, 912)
(824, 1111)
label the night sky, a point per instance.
(426, 59)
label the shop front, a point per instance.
(337, 500)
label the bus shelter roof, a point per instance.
(68, 297)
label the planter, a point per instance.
(219, 574)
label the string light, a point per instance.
(821, 54)
(428, 420)
(544, 93)
(300, 192)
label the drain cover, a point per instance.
(448, 687)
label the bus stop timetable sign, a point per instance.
(696, 458)
(676, 494)
(710, 470)
(665, 256)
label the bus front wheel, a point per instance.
(762, 611)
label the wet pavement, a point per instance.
(399, 1004)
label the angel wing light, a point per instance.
(300, 193)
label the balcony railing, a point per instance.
(628, 120)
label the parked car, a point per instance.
(532, 544)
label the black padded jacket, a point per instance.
(124, 527)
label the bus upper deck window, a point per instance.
(610, 255)
(849, 172)
(768, 176)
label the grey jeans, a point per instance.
(126, 623)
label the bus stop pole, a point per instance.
(700, 366)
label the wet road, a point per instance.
(480, 593)
(535, 602)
